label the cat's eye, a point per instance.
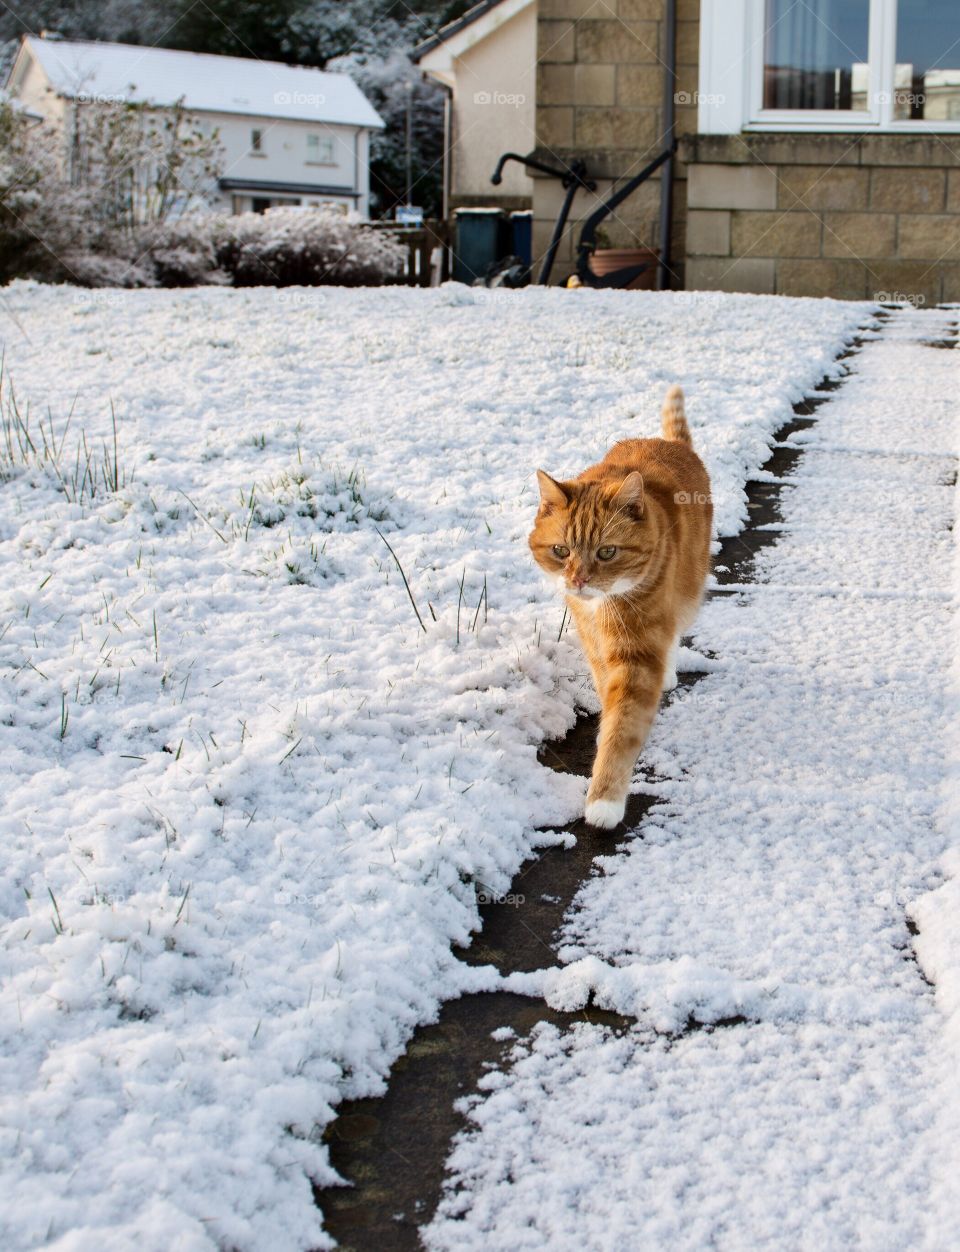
(560, 552)
(606, 554)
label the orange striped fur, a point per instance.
(628, 543)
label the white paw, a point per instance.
(670, 680)
(605, 813)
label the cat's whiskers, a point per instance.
(618, 618)
(619, 629)
(621, 510)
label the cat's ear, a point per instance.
(552, 492)
(630, 492)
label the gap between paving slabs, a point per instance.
(393, 1148)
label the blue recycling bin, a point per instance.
(478, 242)
(521, 227)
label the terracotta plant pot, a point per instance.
(609, 260)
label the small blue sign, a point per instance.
(408, 215)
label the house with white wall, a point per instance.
(289, 135)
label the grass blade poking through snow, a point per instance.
(404, 577)
(111, 469)
(92, 472)
(203, 519)
(481, 604)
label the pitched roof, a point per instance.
(454, 28)
(206, 83)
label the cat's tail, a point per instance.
(675, 417)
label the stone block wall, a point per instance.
(851, 216)
(599, 97)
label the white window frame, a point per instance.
(326, 149)
(731, 78)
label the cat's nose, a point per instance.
(579, 581)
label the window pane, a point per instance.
(927, 83)
(816, 54)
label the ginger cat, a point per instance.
(628, 544)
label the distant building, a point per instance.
(289, 135)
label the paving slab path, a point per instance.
(794, 821)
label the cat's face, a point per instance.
(593, 540)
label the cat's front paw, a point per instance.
(605, 813)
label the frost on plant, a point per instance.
(333, 498)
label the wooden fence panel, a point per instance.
(420, 242)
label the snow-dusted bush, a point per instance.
(305, 247)
(183, 253)
(141, 165)
(115, 264)
(41, 217)
(88, 213)
(280, 248)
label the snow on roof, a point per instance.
(207, 83)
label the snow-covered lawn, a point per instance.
(246, 797)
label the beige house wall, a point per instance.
(495, 111)
(493, 106)
(32, 88)
(853, 216)
(599, 97)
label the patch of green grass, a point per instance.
(82, 474)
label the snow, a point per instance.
(597, 1141)
(204, 82)
(246, 798)
(805, 809)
